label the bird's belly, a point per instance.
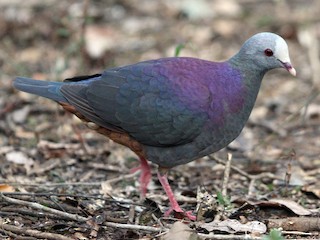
(203, 145)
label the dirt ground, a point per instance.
(61, 180)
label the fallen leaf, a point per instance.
(19, 158)
(312, 111)
(106, 189)
(314, 188)
(293, 206)
(205, 202)
(234, 226)
(20, 115)
(6, 188)
(298, 176)
(179, 231)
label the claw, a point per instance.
(173, 202)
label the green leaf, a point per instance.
(274, 234)
(178, 49)
(224, 201)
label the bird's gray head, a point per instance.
(267, 51)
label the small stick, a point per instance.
(131, 214)
(120, 178)
(297, 233)
(134, 227)
(55, 184)
(224, 187)
(300, 224)
(226, 176)
(34, 233)
(227, 237)
(40, 207)
(289, 170)
(96, 197)
(243, 173)
(15, 236)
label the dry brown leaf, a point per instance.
(19, 158)
(20, 115)
(293, 206)
(79, 235)
(205, 202)
(6, 188)
(57, 150)
(315, 189)
(298, 176)
(180, 231)
(106, 189)
(233, 226)
(22, 133)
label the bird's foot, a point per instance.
(185, 214)
(173, 202)
(145, 176)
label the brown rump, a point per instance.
(121, 138)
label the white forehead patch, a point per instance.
(281, 50)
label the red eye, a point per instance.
(268, 52)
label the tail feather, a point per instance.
(41, 88)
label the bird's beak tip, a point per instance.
(292, 71)
(290, 68)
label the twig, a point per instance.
(74, 196)
(280, 131)
(34, 233)
(55, 184)
(288, 175)
(50, 194)
(298, 233)
(82, 141)
(230, 236)
(120, 178)
(131, 214)
(245, 174)
(301, 224)
(180, 198)
(226, 176)
(42, 208)
(15, 236)
(252, 178)
(251, 187)
(157, 220)
(113, 180)
(134, 227)
(13, 211)
(8, 107)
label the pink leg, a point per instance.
(173, 202)
(145, 176)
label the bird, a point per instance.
(170, 111)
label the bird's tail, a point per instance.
(45, 89)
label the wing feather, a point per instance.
(147, 100)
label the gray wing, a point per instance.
(141, 101)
